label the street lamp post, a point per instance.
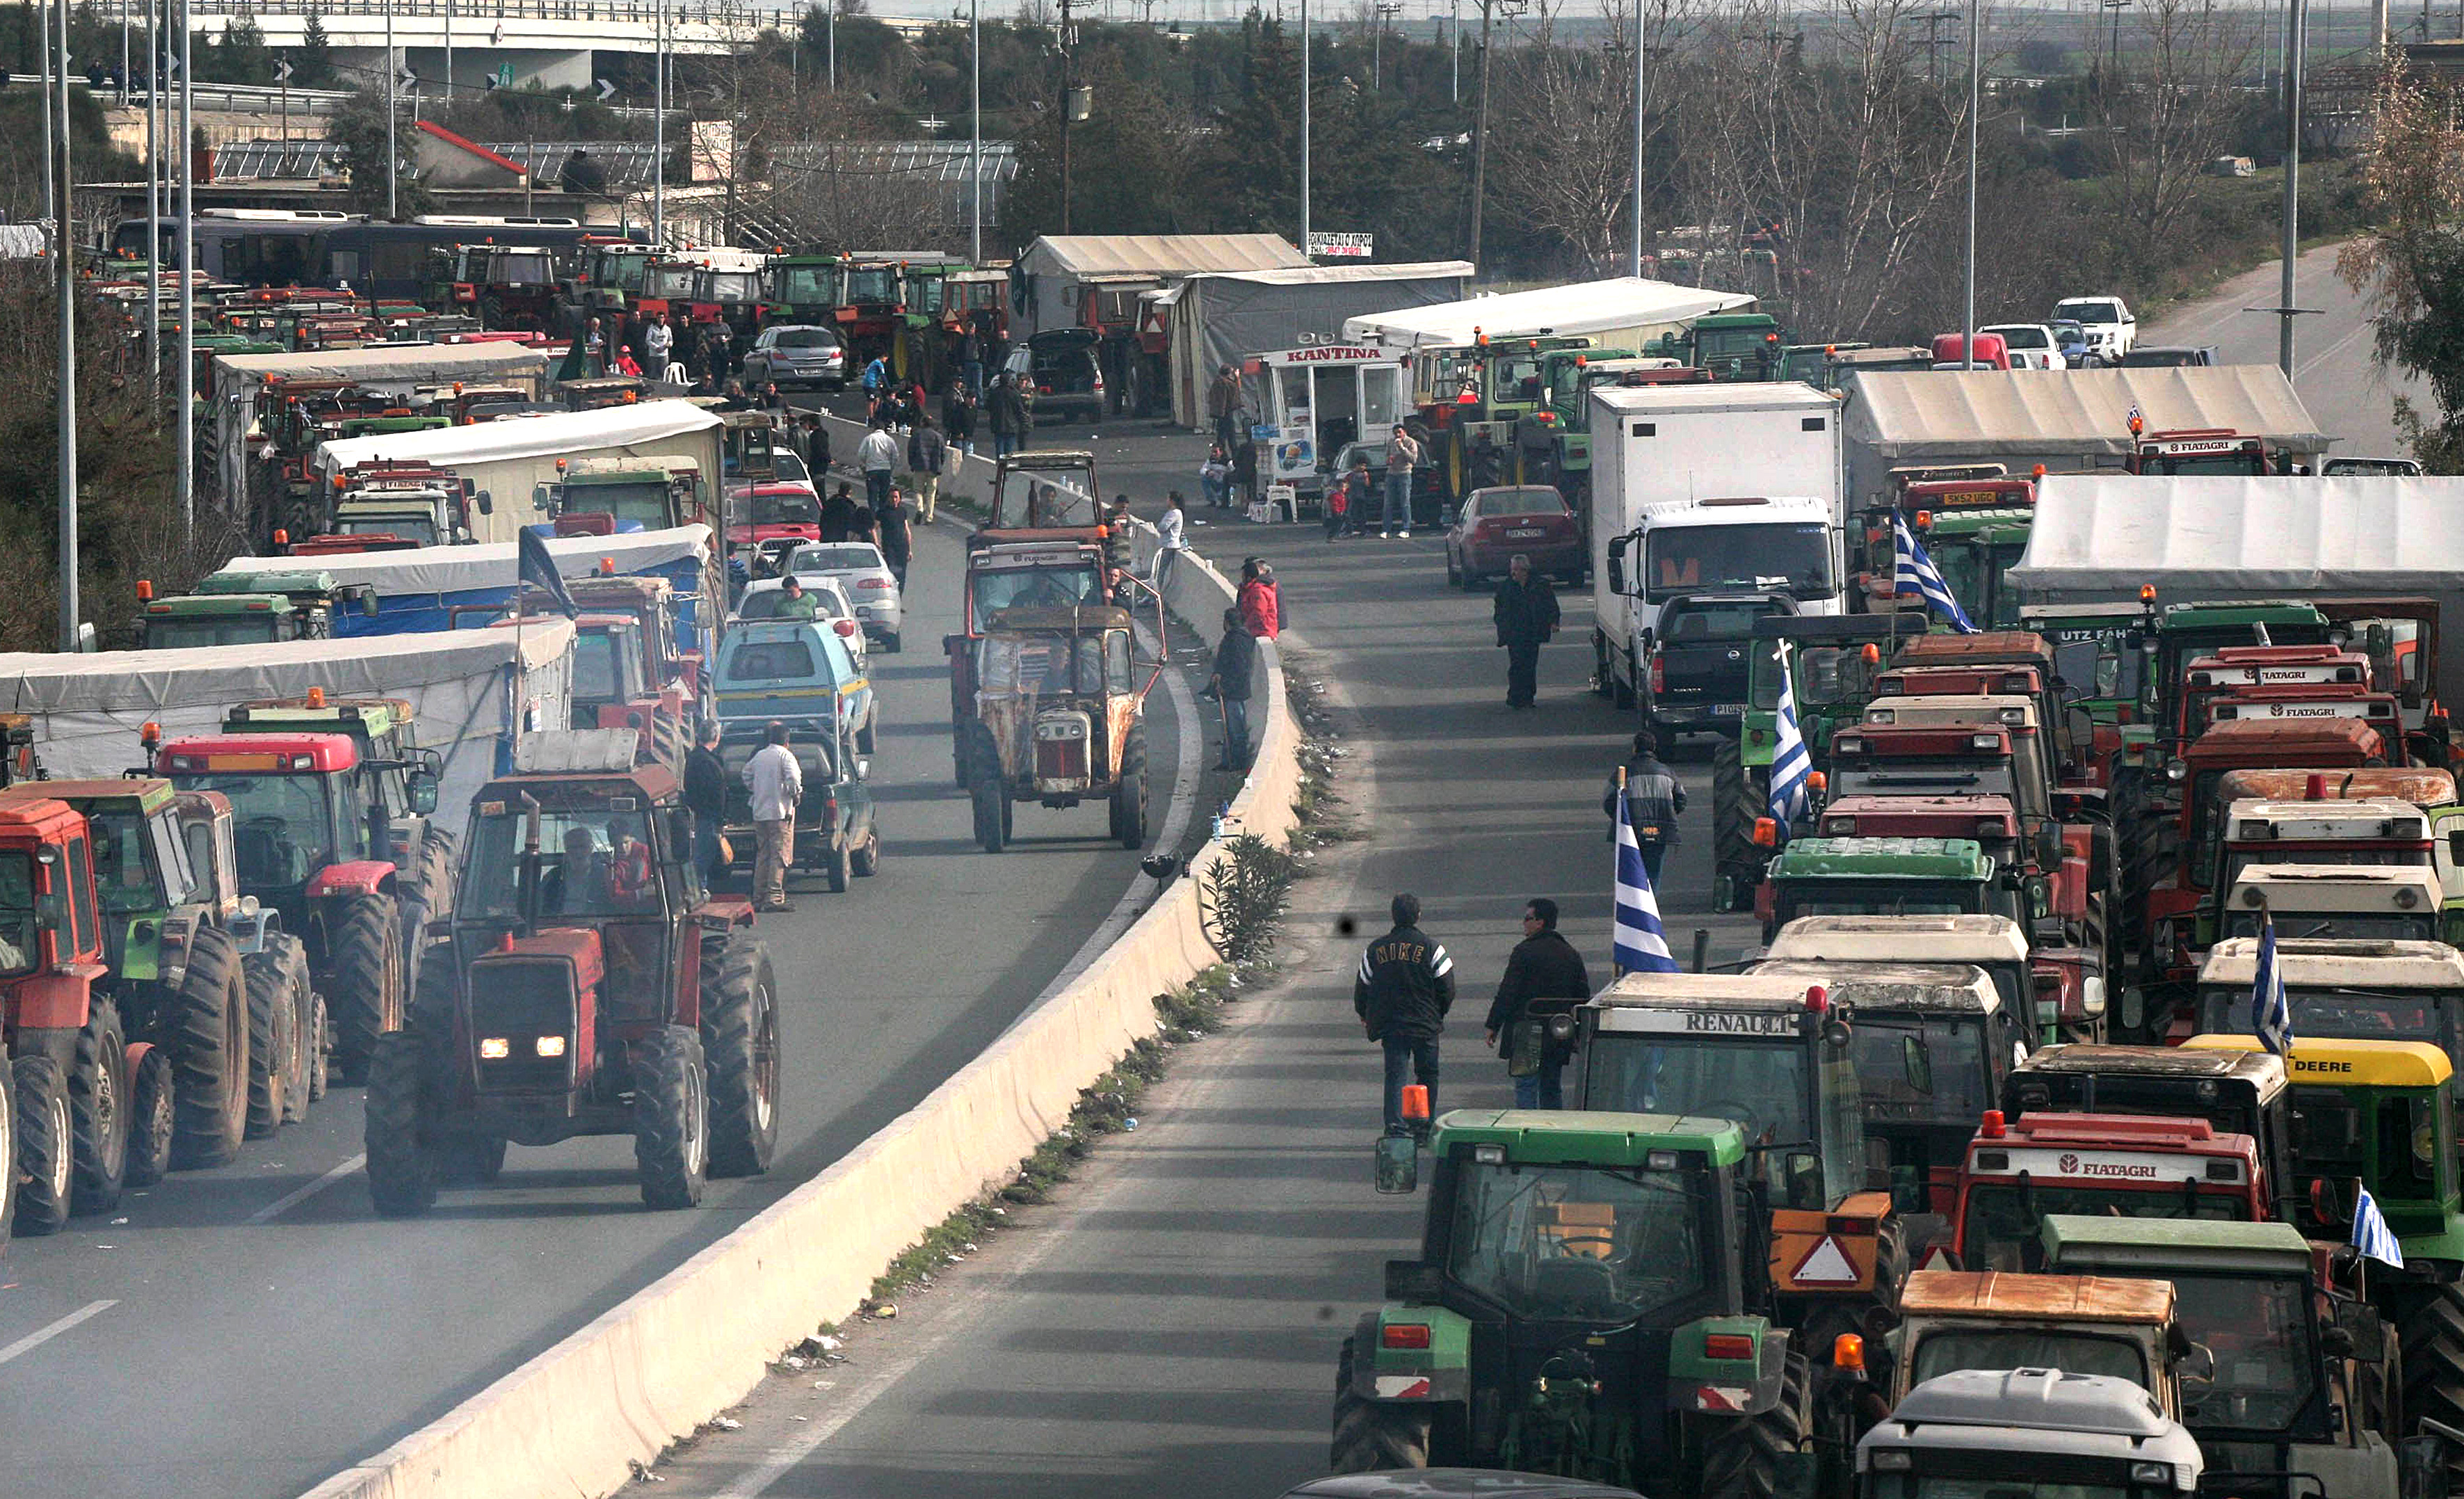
(184, 411)
(65, 407)
(393, 161)
(157, 50)
(2297, 40)
(976, 122)
(1304, 129)
(1975, 108)
(658, 130)
(1480, 129)
(1634, 261)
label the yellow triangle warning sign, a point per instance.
(1826, 1263)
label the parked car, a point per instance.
(1058, 374)
(2110, 326)
(1991, 353)
(796, 354)
(2031, 344)
(800, 672)
(2371, 467)
(761, 598)
(2072, 339)
(864, 575)
(1496, 525)
(1697, 681)
(2166, 356)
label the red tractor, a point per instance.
(586, 985)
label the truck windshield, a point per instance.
(2345, 1014)
(2019, 1347)
(2258, 1328)
(810, 283)
(505, 270)
(1875, 898)
(18, 947)
(642, 500)
(670, 281)
(1961, 1086)
(878, 285)
(1578, 1245)
(282, 827)
(734, 286)
(1027, 665)
(591, 863)
(138, 865)
(784, 507)
(1039, 500)
(421, 529)
(2001, 1486)
(1048, 587)
(2001, 1227)
(622, 273)
(602, 673)
(182, 631)
(2394, 926)
(1760, 1085)
(1794, 555)
(1974, 573)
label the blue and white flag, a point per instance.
(2271, 1017)
(536, 566)
(1636, 943)
(1791, 770)
(2371, 1234)
(1917, 578)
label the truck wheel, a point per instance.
(46, 1146)
(8, 1154)
(1129, 792)
(1733, 827)
(992, 808)
(670, 1118)
(2433, 1363)
(366, 988)
(739, 1036)
(403, 1161)
(98, 1107)
(1741, 1454)
(1375, 1436)
(208, 1045)
(274, 1054)
(866, 860)
(868, 737)
(836, 866)
(151, 1117)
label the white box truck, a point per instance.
(1701, 489)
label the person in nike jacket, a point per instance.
(1405, 986)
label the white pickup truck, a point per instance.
(2108, 322)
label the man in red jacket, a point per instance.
(1260, 605)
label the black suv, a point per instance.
(1059, 374)
(1696, 682)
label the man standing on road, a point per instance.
(1223, 401)
(1405, 986)
(926, 453)
(877, 456)
(1235, 663)
(1402, 457)
(897, 539)
(1011, 424)
(777, 783)
(838, 514)
(1653, 798)
(1172, 539)
(959, 417)
(1543, 966)
(817, 449)
(1526, 612)
(657, 341)
(706, 794)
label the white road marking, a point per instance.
(293, 1198)
(37, 1338)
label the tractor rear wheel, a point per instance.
(46, 1161)
(429, 899)
(403, 1160)
(670, 1118)
(98, 1107)
(739, 1038)
(366, 988)
(152, 1118)
(8, 1155)
(2434, 1367)
(1741, 1457)
(1732, 829)
(207, 1032)
(274, 1054)
(1374, 1436)
(1129, 792)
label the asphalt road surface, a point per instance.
(2333, 371)
(241, 1334)
(1168, 1327)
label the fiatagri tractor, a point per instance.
(586, 985)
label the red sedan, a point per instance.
(1497, 525)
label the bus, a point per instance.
(284, 246)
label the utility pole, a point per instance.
(1934, 43)
(1480, 129)
(53, 193)
(2116, 6)
(1304, 129)
(834, 46)
(1641, 56)
(65, 276)
(975, 124)
(1386, 9)
(1454, 49)
(393, 159)
(185, 413)
(2297, 40)
(1068, 107)
(658, 129)
(446, 104)
(1975, 108)
(157, 53)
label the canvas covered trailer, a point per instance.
(1215, 319)
(1620, 312)
(1045, 280)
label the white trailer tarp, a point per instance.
(1047, 271)
(491, 564)
(1625, 310)
(88, 710)
(508, 457)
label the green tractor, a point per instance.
(1588, 1301)
(248, 608)
(1733, 345)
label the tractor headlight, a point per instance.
(551, 1047)
(1898, 1460)
(495, 1049)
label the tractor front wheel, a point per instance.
(152, 1118)
(46, 1146)
(2433, 1366)
(992, 811)
(98, 1107)
(1130, 791)
(1741, 1457)
(277, 1054)
(1375, 1436)
(739, 1036)
(207, 1032)
(1732, 830)
(670, 1118)
(403, 1161)
(366, 991)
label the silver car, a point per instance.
(859, 570)
(796, 354)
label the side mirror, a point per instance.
(2134, 1008)
(422, 792)
(863, 770)
(1413, 1281)
(1616, 564)
(1803, 1173)
(1916, 1063)
(1398, 1164)
(487, 503)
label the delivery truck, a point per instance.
(1743, 485)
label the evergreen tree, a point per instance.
(313, 67)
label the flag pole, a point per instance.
(1616, 852)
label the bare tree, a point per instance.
(1564, 131)
(2168, 110)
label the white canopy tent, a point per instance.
(1623, 310)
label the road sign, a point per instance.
(408, 78)
(1357, 247)
(504, 77)
(281, 72)
(607, 91)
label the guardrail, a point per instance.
(574, 1419)
(722, 14)
(246, 98)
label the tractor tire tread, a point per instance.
(739, 994)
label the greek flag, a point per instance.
(2371, 1234)
(1918, 579)
(1637, 944)
(1791, 767)
(2270, 1018)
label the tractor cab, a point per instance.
(1039, 492)
(1058, 718)
(2345, 989)
(2124, 1329)
(2235, 1092)
(2119, 1165)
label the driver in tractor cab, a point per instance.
(631, 880)
(575, 885)
(17, 939)
(1046, 591)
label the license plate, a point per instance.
(1727, 710)
(1526, 534)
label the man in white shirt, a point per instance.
(1172, 539)
(777, 782)
(877, 456)
(658, 341)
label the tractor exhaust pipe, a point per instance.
(529, 877)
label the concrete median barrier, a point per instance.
(574, 1419)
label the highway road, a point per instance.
(241, 1334)
(1169, 1325)
(2332, 368)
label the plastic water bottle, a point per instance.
(1215, 827)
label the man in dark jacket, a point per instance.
(1526, 612)
(1653, 797)
(706, 794)
(838, 514)
(1543, 966)
(1235, 662)
(1405, 986)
